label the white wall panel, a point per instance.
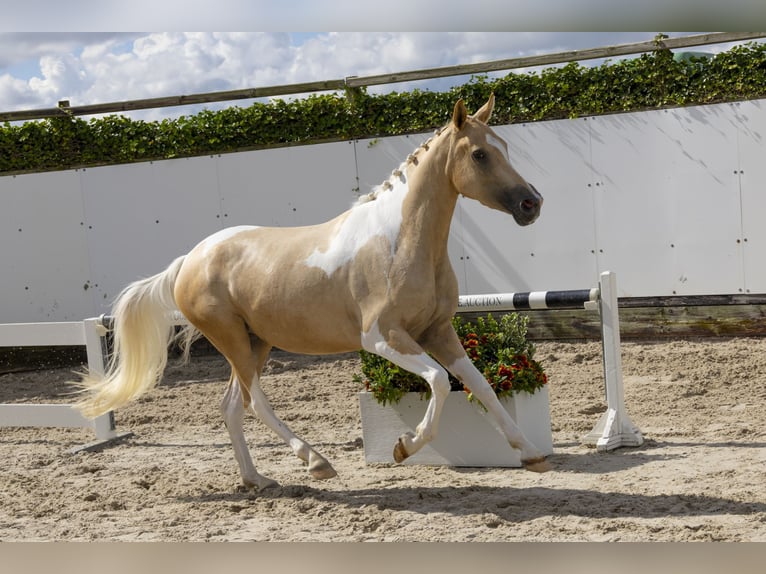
(555, 252)
(667, 201)
(142, 216)
(750, 119)
(290, 186)
(43, 256)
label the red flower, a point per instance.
(522, 360)
(470, 343)
(505, 371)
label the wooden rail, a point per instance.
(64, 109)
(656, 318)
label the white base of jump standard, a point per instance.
(613, 430)
(466, 437)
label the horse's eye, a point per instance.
(479, 155)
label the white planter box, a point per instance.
(466, 437)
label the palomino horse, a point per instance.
(376, 277)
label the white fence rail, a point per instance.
(87, 333)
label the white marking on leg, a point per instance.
(262, 409)
(420, 364)
(233, 416)
(366, 221)
(466, 372)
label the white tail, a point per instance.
(143, 330)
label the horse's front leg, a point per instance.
(398, 347)
(446, 347)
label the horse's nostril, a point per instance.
(529, 205)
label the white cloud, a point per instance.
(14, 90)
(62, 76)
(17, 47)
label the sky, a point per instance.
(43, 62)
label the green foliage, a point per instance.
(650, 81)
(501, 352)
(387, 382)
(498, 349)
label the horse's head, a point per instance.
(480, 167)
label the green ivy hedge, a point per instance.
(650, 81)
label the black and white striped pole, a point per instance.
(576, 299)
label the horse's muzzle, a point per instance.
(527, 210)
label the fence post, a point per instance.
(103, 424)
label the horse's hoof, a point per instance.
(261, 483)
(322, 470)
(537, 465)
(400, 453)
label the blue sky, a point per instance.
(50, 53)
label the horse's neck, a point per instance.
(412, 209)
(427, 210)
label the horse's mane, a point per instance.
(398, 172)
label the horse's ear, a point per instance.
(459, 115)
(485, 111)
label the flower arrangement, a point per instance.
(499, 350)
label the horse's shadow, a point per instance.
(509, 503)
(517, 504)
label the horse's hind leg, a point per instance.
(237, 395)
(233, 409)
(318, 466)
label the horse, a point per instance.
(376, 277)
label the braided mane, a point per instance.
(398, 173)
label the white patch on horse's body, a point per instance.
(379, 215)
(220, 236)
(373, 340)
(498, 143)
